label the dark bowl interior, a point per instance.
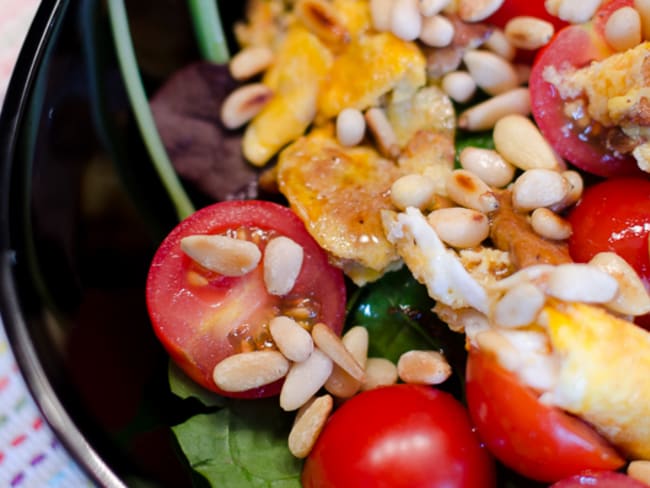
(82, 212)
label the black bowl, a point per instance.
(81, 213)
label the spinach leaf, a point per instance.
(184, 387)
(244, 444)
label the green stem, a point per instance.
(209, 31)
(140, 103)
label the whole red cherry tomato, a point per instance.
(535, 440)
(600, 479)
(201, 316)
(399, 436)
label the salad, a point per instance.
(447, 281)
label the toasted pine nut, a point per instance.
(643, 7)
(379, 372)
(623, 29)
(332, 345)
(406, 21)
(468, 190)
(248, 370)
(322, 20)
(292, 340)
(222, 254)
(356, 341)
(437, 31)
(639, 470)
(519, 306)
(380, 13)
(423, 367)
(484, 115)
(304, 379)
(309, 423)
(340, 383)
(429, 8)
(244, 103)
(491, 72)
(487, 165)
(536, 188)
(576, 186)
(460, 227)
(350, 127)
(528, 32)
(499, 44)
(577, 12)
(520, 143)
(577, 282)
(282, 264)
(632, 297)
(383, 132)
(412, 190)
(459, 85)
(250, 61)
(550, 225)
(477, 10)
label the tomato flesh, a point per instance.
(538, 441)
(399, 436)
(201, 317)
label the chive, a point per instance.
(209, 31)
(140, 103)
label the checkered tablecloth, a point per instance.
(30, 454)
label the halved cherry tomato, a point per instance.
(600, 479)
(201, 317)
(538, 441)
(576, 46)
(399, 436)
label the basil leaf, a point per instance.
(244, 444)
(184, 387)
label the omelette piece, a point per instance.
(295, 77)
(370, 67)
(604, 373)
(338, 193)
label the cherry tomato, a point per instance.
(538, 441)
(399, 436)
(577, 46)
(600, 479)
(201, 316)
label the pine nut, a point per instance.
(499, 44)
(491, 72)
(243, 104)
(437, 31)
(520, 143)
(248, 370)
(468, 190)
(322, 19)
(643, 8)
(577, 12)
(487, 165)
(304, 379)
(340, 383)
(485, 115)
(623, 29)
(309, 423)
(291, 339)
(331, 344)
(429, 8)
(577, 282)
(519, 306)
(460, 227)
(379, 372)
(350, 127)
(222, 254)
(406, 21)
(576, 186)
(250, 61)
(282, 264)
(530, 33)
(477, 10)
(550, 225)
(639, 470)
(536, 188)
(356, 341)
(459, 85)
(412, 190)
(423, 367)
(380, 13)
(383, 132)
(633, 298)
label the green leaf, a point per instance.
(184, 387)
(244, 444)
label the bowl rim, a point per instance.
(49, 13)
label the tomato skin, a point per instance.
(192, 321)
(538, 441)
(399, 436)
(602, 479)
